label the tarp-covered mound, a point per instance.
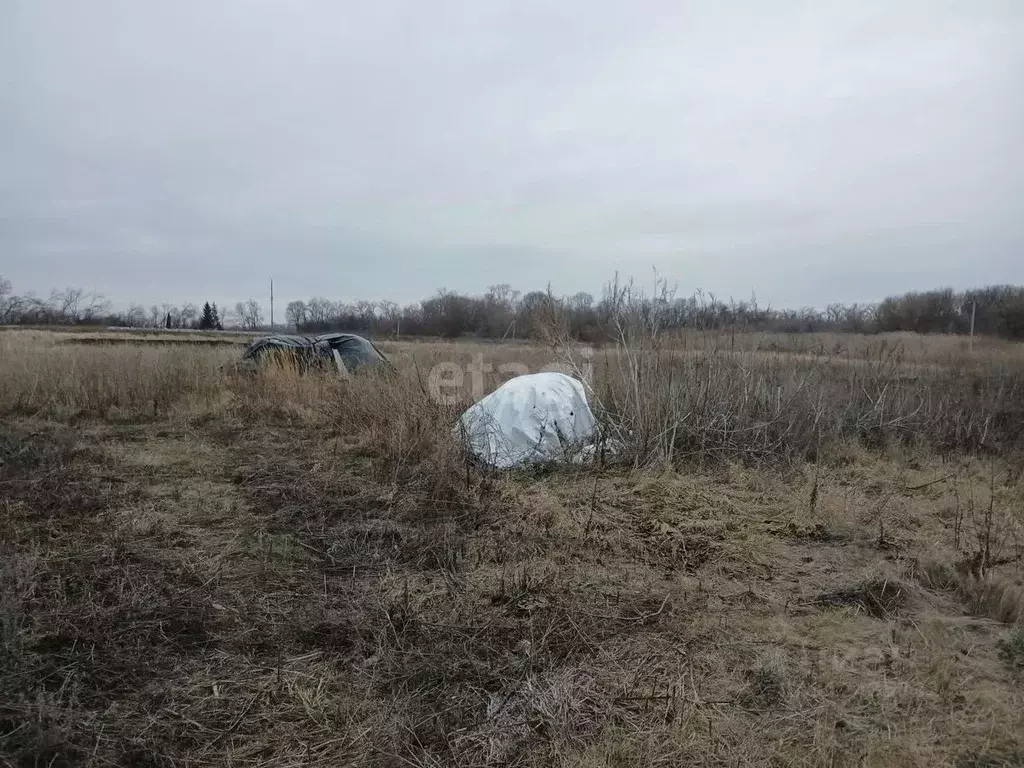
(344, 352)
(539, 417)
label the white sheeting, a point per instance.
(533, 418)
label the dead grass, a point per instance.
(1013, 648)
(922, 349)
(40, 376)
(284, 570)
(880, 598)
(669, 405)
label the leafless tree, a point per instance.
(580, 302)
(66, 303)
(319, 310)
(189, 313)
(392, 315)
(7, 300)
(295, 313)
(366, 312)
(93, 308)
(136, 316)
(250, 314)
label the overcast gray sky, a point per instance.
(809, 151)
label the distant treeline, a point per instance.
(502, 312)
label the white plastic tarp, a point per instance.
(533, 418)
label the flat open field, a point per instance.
(806, 551)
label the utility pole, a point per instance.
(974, 309)
(271, 304)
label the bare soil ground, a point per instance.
(246, 585)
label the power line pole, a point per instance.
(271, 304)
(974, 309)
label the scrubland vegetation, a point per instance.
(803, 550)
(502, 312)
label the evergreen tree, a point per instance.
(209, 320)
(216, 318)
(168, 324)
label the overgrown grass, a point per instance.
(40, 376)
(663, 399)
(298, 570)
(669, 405)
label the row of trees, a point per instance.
(502, 312)
(70, 306)
(75, 306)
(997, 310)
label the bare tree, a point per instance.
(295, 313)
(580, 302)
(7, 300)
(319, 310)
(502, 295)
(499, 305)
(66, 303)
(189, 313)
(392, 314)
(538, 312)
(136, 316)
(250, 314)
(95, 305)
(366, 312)
(34, 309)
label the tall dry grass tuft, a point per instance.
(392, 420)
(279, 394)
(994, 594)
(412, 439)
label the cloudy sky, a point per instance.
(169, 150)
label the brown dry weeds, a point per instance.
(286, 571)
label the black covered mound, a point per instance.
(344, 352)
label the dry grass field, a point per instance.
(807, 550)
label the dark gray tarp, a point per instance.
(345, 352)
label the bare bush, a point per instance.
(666, 400)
